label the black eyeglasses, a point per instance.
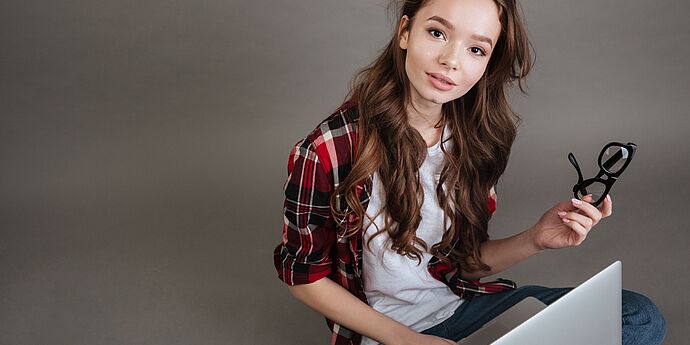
(613, 160)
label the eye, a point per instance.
(481, 51)
(433, 31)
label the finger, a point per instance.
(588, 209)
(585, 221)
(606, 207)
(577, 227)
(588, 197)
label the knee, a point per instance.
(639, 311)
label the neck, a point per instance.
(424, 118)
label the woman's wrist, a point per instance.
(531, 240)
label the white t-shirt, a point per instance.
(400, 288)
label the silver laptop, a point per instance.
(588, 314)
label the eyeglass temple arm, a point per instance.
(573, 161)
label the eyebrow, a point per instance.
(450, 26)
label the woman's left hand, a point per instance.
(568, 223)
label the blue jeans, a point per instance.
(642, 321)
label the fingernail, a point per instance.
(561, 213)
(565, 220)
(576, 201)
(608, 197)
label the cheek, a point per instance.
(420, 55)
(473, 72)
(414, 66)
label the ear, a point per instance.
(403, 31)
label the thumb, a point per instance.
(588, 198)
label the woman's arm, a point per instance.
(339, 305)
(564, 225)
(506, 252)
(503, 253)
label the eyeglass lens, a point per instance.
(596, 188)
(614, 158)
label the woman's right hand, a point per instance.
(425, 339)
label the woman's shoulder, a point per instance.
(341, 122)
(333, 140)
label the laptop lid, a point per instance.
(589, 314)
(505, 322)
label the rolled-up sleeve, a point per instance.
(303, 256)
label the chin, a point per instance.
(438, 99)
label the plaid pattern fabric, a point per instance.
(311, 248)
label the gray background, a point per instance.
(143, 151)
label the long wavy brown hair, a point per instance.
(482, 127)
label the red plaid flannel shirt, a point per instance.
(311, 248)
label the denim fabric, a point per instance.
(642, 321)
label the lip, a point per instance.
(438, 84)
(443, 77)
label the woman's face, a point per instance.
(448, 38)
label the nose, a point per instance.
(450, 57)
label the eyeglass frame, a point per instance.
(603, 169)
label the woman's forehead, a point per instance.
(473, 17)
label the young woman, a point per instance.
(388, 199)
